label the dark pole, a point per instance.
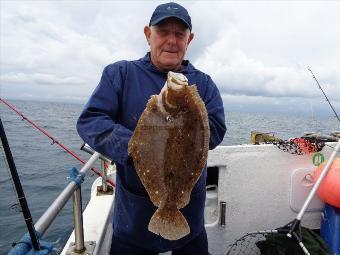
(19, 190)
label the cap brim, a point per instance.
(155, 22)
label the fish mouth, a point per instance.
(176, 81)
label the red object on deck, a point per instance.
(304, 145)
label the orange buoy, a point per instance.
(329, 190)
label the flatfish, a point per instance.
(169, 148)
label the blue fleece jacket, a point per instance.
(107, 123)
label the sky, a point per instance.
(257, 52)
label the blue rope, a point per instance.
(76, 176)
(25, 247)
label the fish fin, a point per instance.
(170, 225)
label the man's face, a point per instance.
(168, 42)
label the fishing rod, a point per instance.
(336, 115)
(54, 141)
(18, 187)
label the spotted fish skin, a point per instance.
(169, 148)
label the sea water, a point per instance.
(43, 166)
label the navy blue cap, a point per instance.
(169, 10)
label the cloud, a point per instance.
(240, 65)
(254, 51)
(39, 78)
(237, 74)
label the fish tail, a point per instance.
(170, 224)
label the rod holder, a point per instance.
(85, 147)
(223, 208)
(104, 188)
(104, 177)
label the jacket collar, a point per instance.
(146, 61)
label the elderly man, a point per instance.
(111, 115)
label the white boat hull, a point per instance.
(262, 187)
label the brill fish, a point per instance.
(169, 148)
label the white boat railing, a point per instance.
(72, 189)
